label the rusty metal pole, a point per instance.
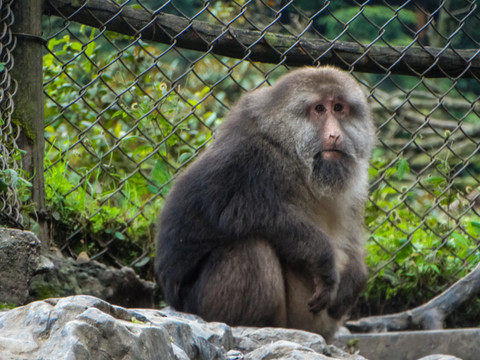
(28, 100)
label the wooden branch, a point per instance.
(441, 124)
(408, 110)
(428, 316)
(266, 47)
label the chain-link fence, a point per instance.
(11, 176)
(134, 90)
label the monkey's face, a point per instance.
(334, 135)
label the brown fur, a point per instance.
(265, 228)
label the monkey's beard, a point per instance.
(328, 173)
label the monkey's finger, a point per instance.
(319, 301)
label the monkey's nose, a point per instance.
(336, 137)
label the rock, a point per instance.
(235, 355)
(82, 258)
(85, 327)
(285, 350)
(27, 273)
(79, 328)
(440, 357)
(249, 339)
(417, 344)
(20, 260)
(82, 276)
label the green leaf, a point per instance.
(435, 180)
(402, 167)
(76, 46)
(3, 186)
(116, 113)
(476, 226)
(184, 157)
(143, 262)
(460, 239)
(211, 119)
(152, 188)
(119, 235)
(160, 173)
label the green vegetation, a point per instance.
(110, 158)
(422, 236)
(14, 183)
(6, 306)
(369, 24)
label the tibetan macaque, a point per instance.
(265, 228)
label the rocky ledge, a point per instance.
(85, 327)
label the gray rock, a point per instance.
(417, 344)
(79, 327)
(440, 357)
(85, 327)
(285, 350)
(249, 339)
(235, 355)
(68, 277)
(27, 273)
(20, 260)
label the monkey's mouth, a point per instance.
(332, 154)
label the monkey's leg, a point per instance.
(242, 285)
(299, 287)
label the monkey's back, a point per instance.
(216, 203)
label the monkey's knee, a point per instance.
(245, 286)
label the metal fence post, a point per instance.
(29, 103)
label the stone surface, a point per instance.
(440, 357)
(27, 273)
(411, 345)
(284, 350)
(70, 277)
(285, 343)
(79, 328)
(20, 260)
(252, 338)
(85, 327)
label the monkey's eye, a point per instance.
(320, 108)
(337, 107)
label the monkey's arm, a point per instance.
(257, 212)
(353, 278)
(300, 242)
(257, 203)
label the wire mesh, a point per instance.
(125, 113)
(10, 157)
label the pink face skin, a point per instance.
(328, 113)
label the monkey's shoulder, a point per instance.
(232, 169)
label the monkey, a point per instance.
(265, 228)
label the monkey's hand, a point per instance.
(353, 280)
(325, 290)
(342, 304)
